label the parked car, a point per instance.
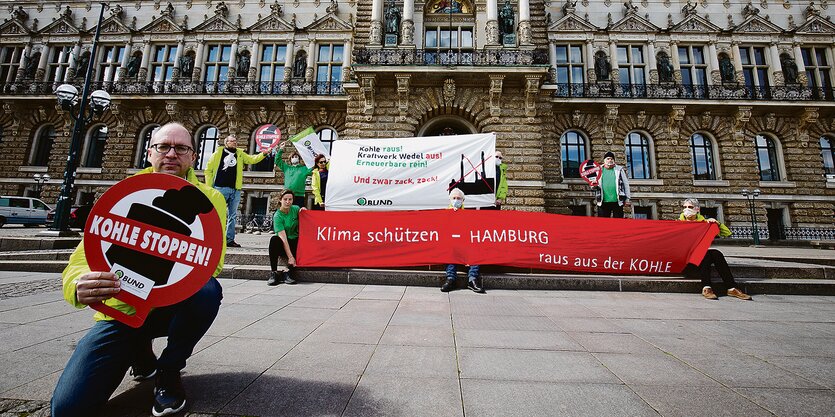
(78, 216)
(27, 211)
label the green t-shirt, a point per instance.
(288, 222)
(610, 186)
(295, 176)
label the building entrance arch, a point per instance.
(446, 125)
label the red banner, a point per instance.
(514, 238)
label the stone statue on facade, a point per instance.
(392, 26)
(602, 67)
(689, 8)
(133, 65)
(726, 69)
(789, 69)
(507, 20)
(665, 68)
(629, 8)
(186, 65)
(243, 65)
(300, 65)
(31, 66)
(81, 65)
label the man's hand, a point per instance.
(498, 202)
(711, 221)
(95, 287)
(291, 261)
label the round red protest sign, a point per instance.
(160, 235)
(590, 172)
(267, 137)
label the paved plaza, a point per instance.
(328, 349)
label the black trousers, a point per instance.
(702, 271)
(299, 200)
(277, 248)
(610, 210)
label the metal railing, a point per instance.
(186, 87)
(747, 232)
(681, 91)
(786, 233)
(464, 57)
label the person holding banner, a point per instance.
(320, 182)
(500, 184)
(614, 189)
(295, 174)
(690, 213)
(105, 353)
(456, 203)
(227, 178)
(286, 238)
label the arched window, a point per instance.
(637, 156)
(206, 143)
(828, 155)
(42, 148)
(94, 150)
(767, 158)
(143, 140)
(573, 150)
(327, 136)
(701, 150)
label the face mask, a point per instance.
(688, 212)
(294, 160)
(457, 203)
(498, 162)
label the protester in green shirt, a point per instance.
(295, 174)
(286, 238)
(614, 189)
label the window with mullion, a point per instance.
(828, 154)
(207, 143)
(271, 66)
(573, 153)
(59, 63)
(637, 156)
(217, 64)
(701, 149)
(569, 68)
(327, 136)
(43, 147)
(9, 63)
(95, 147)
(162, 62)
(329, 67)
(460, 37)
(767, 159)
(631, 65)
(754, 68)
(144, 141)
(817, 69)
(109, 63)
(693, 69)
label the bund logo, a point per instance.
(362, 201)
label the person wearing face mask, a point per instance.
(500, 184)
(456, 204)
(224, 172)
(690, 213)
(613, 193)
(295, 174)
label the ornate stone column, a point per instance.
(66, 76)
(713, 61)
(676, 62)
(525, 33)
(123, 66)
(288, 62)
(590, 74)
(21, 68)
(552, 57)
(653, 65)
(177, 57)
(40, 75)
(198, 61)
(613, 61)
(407, 27)
(492, 29)
(376, 33)
(776, 68)
(146, 59)
(311, 55)
(737, 61)
(252, 71)
(801, 66)
(346, 61)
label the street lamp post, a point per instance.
(751, 196)
(40, 180)
(68, 98)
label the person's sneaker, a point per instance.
(145, 366)
(169, 395)
(233, 244)
(708, 293)
(273, 280)
(287, 279)
(733, 292)
(475, 285)
(448, 286)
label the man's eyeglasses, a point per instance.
(178, 149)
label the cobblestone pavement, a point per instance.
(362, 350)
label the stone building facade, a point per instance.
(696, 98)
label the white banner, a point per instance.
(411, 173)
(308, 145)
